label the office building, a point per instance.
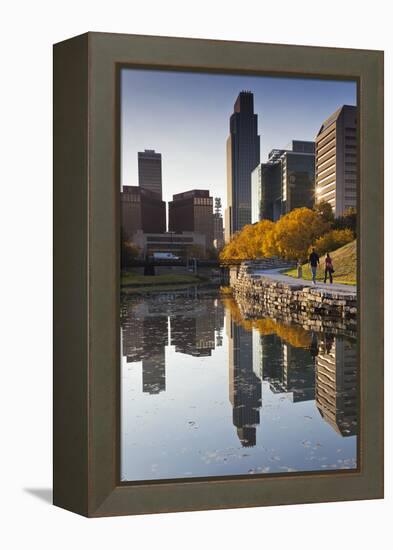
(187, 244)
(218, 225)
(193, 211)
(141, 210)
(243, 155)
(150, 171)
(266, 189)
(285, 182)
(336, 160)
(298, 176)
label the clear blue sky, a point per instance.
(185, 117)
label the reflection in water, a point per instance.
(336, 396)
(195, 327)
(292, 392)
(145, 335)
(245, 392)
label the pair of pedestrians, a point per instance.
(314, 262)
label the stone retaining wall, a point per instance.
(315, 308)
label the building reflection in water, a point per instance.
(155, 329)
(316, 366)
(193, 327)
(298, 374)
(336, 384)
(245, 391)
(324, 370)
(145, 335)
(189, 320)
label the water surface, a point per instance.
(205, 392)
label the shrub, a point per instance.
(332, 240)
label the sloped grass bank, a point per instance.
(344, 263)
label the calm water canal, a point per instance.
(205, 392)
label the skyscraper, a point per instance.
(141, 210)
(284, 182)
(298, 176)
(218, 225)
(267, 188)
(193, 211)
(336, 160)
(150, 171)
(243, 155)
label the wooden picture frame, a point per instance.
(86, 273)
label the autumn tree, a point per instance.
(290, 237)
(247, 244)
(292, 234)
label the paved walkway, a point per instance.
(275, 274)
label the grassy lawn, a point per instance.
(344, 263)
(135, 280)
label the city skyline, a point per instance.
(174, 114)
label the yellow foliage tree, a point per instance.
(247, 244)
(291, 236)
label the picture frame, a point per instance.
(86, 382)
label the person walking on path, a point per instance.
(329, 268)
(314, 262)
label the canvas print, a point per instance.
(238, 200)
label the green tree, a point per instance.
(347, 221)
(332, 240)
(325, 210)
(195, 251)
(129, 251)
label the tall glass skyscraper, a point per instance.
(284, 182)
(243, 155)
